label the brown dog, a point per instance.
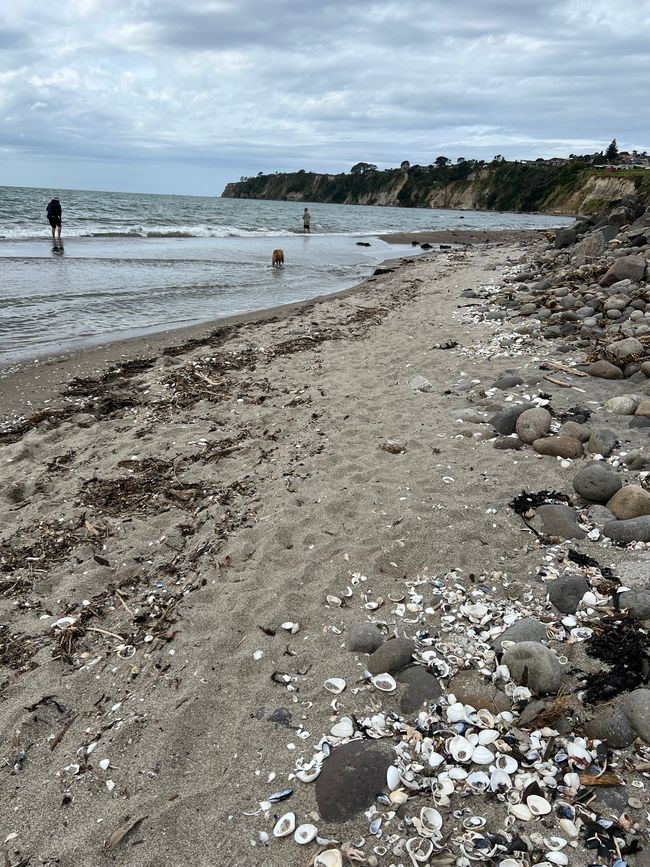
(278, 258)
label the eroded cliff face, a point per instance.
(482, 190)
(592, 195)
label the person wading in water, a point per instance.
(54, 217)
(306, 220)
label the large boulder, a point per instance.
(625, 268)
(632, 530)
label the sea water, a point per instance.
(138, 263)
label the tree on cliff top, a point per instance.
(611, 154)
(363, 168)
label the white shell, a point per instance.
(305, 834)
(393, 778)
(308, 775)
(330, 858)
(431, 820)
(521, 811)
(335, 685)
(482, 756)
(344, 728)
(285, 825)
(537, 805)
(478, 781)
(104, 764)
(419, 850)
(488, 736)
(555, 843)
(500, 780)
(506, 763)
(385, 682)
(460, 748)
(570, 828)
(557, 857)
(456, 712)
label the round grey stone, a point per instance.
(510, 442)
(505, 382)
(505, 422)
(566, 592)
(364, 638)
(631, 501)
(636, 707)
(534, 665)
(632, 530)
(601, 441)
(393, 655)
(533, 424)
(471, 688)
(572, 429)
(637, 602)
(612, 727)
(625, 404)
(559, 447)
(596, 482)
(526, 629)
(422, 687)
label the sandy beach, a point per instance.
(196, 524)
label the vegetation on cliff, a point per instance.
(541, 185)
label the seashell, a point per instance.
(521, 693)
(335, 685)
(305, 834)
(291, 627)
(431, 821)
(329, 858)
(460, 748)
(285, 825)
(488, 736)
(557, 857)
(511, 862)
(569, 828)
(104, 764)
(537, 805)
(435, 759)
(456, 712)
(385, 682)
(308, 775)
(478, 781)
(334, 600)
(506, 763)
(482, 756)
(344, 728)
(555, 843)
(375, 826)
(419, 850)
(393, 777)
(485, 717)
(277, 797)
(572, 780)
(521, 811)
(474, 822)
(457, 774)
(399, 796)
(500, 781)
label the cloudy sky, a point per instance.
(182, 96)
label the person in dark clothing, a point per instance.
(54, 217)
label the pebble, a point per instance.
(505, 382)
(613, 727)
(391, 656)
(566, 592)
(364, 638)
(631, 501)
(350, 779)
(505, 422)
(632, 530)
(419, 383)
(604, 370)
(602, 441)
(596, 482)
(508, 442)
(559, 447)
(534, 665)
(533, 424)
(526, 629)
(580, 432)
(560, 520)
(625, 404)
(421, 687)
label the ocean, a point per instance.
(139, 263)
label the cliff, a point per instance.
(568, 189)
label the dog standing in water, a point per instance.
(277, 260)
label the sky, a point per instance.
(183, 96)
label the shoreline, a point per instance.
(28, 385)
(197, 546)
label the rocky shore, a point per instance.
(365, 583)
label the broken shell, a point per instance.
(537, 805)
(334, 600)
(329, 858)
(385, 682)
(555, 843)
(344, 728)
(335, 685)
(305, 834)
(419, 850)
(285, 825)
(104, 764)
(308, 775)
(430, 822)
(399, 796)
(569, 827)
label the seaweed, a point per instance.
(624, 646)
